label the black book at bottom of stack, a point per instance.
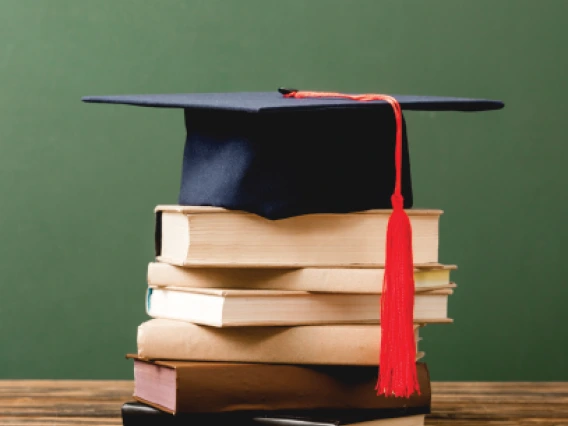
(138, 414)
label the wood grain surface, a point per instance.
(66, 402)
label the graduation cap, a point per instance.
(288, 153)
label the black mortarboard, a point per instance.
(279, 157)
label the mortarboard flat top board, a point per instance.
(258, 102)
(279, 157)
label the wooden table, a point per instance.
(43, 402)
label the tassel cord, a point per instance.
(397, 371)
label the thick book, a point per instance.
(209, 236)
(237, 307)
(330, 280)
(330, 344)
(204, 387)
(139, 414)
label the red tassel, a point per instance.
(397, 372)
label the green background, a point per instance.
(78, 182)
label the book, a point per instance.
(139, 414)
(236, 307)
(203, 387)
(330, 344)
(331, 280)
(211, 236)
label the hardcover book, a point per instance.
(328, 280)
(138, 414)
(229, 308)
(202, 387)
(208, 236)
(328, 345)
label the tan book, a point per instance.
(217, 387)
(328, 280)
(328, 345)
(237, 308)
(208, 236)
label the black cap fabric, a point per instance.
(279, 157)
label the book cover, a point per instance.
(190, 236)
(329, 280)
(139, 414)
(237, 307)
(201, 387)
(328, 345)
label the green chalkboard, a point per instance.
(78, 183)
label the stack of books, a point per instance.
(274, 318)
(277, 323)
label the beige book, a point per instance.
(209, 236)
(328, 280)
(330, 344)
(259, 308)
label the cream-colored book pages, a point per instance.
(247, 240)
(232, 308)
(416, 420)
(239, 293)
(399, 421)
(328, 280)
(330, 344)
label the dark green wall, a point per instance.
(78, 182)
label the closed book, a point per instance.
(237, 307)
(208, 236)
(202, 387)
(330, 344)
(330, 280)
(139, 414)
